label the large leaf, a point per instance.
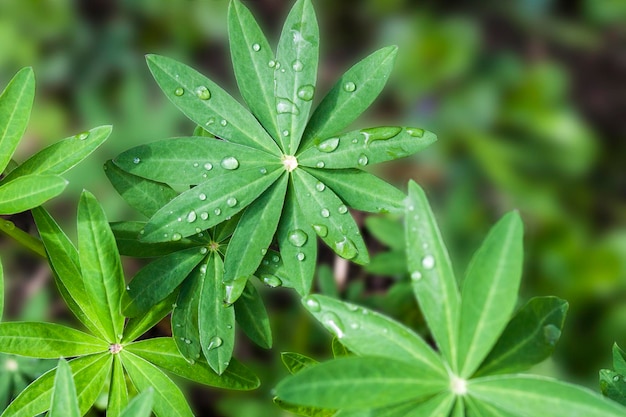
(100, 264)
(63, 155)
(529, 338)
(206, 205)
(431, 273)
(368, 333)
(64, 400)
(252, 316)
(16, 102)
(251, 54)
(118, 393)
(360, 148)
(350, 96)
(357, 383)
(208, 105)
(169, 401)
(295, 73)
(29, 191)
(530, 396)
(47, 340)
(163, 353)
(489, 292)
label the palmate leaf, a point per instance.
(64, 400)
(29, 191)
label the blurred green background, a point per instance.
(528, 98)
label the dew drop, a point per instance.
(202, 196)
(329, 145)
(300, 256)
(231, 202)
(223, 122)
(210, 122)
(321, 230)
(203, 269)
(217, 211)
(415, 132)
(428, 262)
(208, 166)
(203, 93)
(272, 63)
(196, 165)
(179, 91)
(128, 288)
(297, 237)
(256, 47)
(616, 378)
(188, 341)
(320, 186)
(380, 133)
(272, 281)
(204, 215)
(230, 163)
(320, 164)
(342, 209)
(332, 322)
(215, 342)
(204, 250)
(325, 212)
(312, 304)
(177, 236)
(306, 92)
(136, 160)
(416, 275)
(264, 251)
(284, 105)
(346, 248)
(551, 334)
(297, 65)
(82, 135)
(349, 86)
(285, 133)
(275, 258)
(363, 160)
(191, 217)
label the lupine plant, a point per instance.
(246, 197)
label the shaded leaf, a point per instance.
(136, 326)
(185, 314)
(613, 385)
(128, 243)
(619, 359)
(295, 362)
(252, 317)
(64, 400)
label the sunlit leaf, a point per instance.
(64, 400)
(16, 102)
(29, 191)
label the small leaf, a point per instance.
(162, 352)
(364, 147)
(24, 193)
(303, 410)
(16, 102)
(357, 383)
(350, 96)
(185, 314)
(209, 204)
(219, 114)
(528, 339)
(295, 362)
(251, 54)
(368, 333)
(141, 405)
(296, 73)
(64, 400)
(252, 317)
(329, 217)
(613, 386)
(47, 340)
(100, 262)
(137, 326)
(216, 321)
(361, 190)
(158, 279)
(431, 273)
(339, 350)
(168, 399)
(619, 359)
(254, 233)
(490, 291)
(386, 230)
(127, 238)
(118, 393)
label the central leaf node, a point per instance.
(290, 162)
(458, 385)
(115, 348)
(214, 246)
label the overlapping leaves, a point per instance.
(396, 373)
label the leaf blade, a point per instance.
(64, 400)
(16, 102)
(23, 193)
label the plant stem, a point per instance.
(22, 237)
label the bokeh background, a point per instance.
(528, 98)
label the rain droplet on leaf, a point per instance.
(306, 92)
(346, 248)
(230, 163)
(215, 342)
(321, 230)
(203, 93)
(349, 87)
(329, 145)
(179, 91)
(297, 237)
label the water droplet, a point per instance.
(202, 196)
(188, 341)
(263, 171)
(306, 92)
(196, 165)
(180, 219)
(203, 93)
(325, 212)
(203, 269)
(551, 334)
(223, 122)
(231, 202)
(320, 164)
(355, 326)
(346, 248)
(297, 237)
(263, 251)
(416, 275)
(256, 47)
(351, 307)
(191, 362)
(215, 342)
(300, 256)
(342, 209)
(210, 122)
(179, 91)
(208, 166)
(428, 262)
(321, 230)
(312, 304)
(349, 86)
(204, 250)
(82, 136)
(136, 160)
(128, 288)
(272, 63)
(204, 215)
(191, 217)
(284, 105)
(230, 163)
(275, 258)
(332, 322)
(277, 64)
(363, 160)
(320, 186)
(297, 65)
(217, 211)
(415, 132)
(616, 378)
(272, 281)
(380, 133)
(177, 236)
(329, 145)
(355, 140)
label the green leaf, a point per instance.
(529, 338)
(431, 273)
(100, 262)
(339, 350)
(526, 395)
(185, 314)
(47, 340)
(209, 204)
(368, 333)
(1, 291)
(63, 258)
(146, 196)
(386, 230)
(340, 106)
(141, 405)
(62, 155)
(439, 405)
(329, 217)
(118, 393)
(613, 385)
(296, 73)
(480, 409)
(295, 362)
(216, 321)
(24, 193)
(192, 160)
(360, 148)
(128, 243)
(361, 190)
(490, 291)
(298, 245)
(169, 401)
(64, 400)
(137, 326)
(252, 317)
(357, 383)
(302, 410)
(220, 114)
(619, 359)
(251, 53)
(16, 102)
(162, 352)
(158, 279)
(254, 233)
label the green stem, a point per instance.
(22, 237)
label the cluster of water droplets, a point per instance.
(428, 261)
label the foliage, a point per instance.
(613, 382)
